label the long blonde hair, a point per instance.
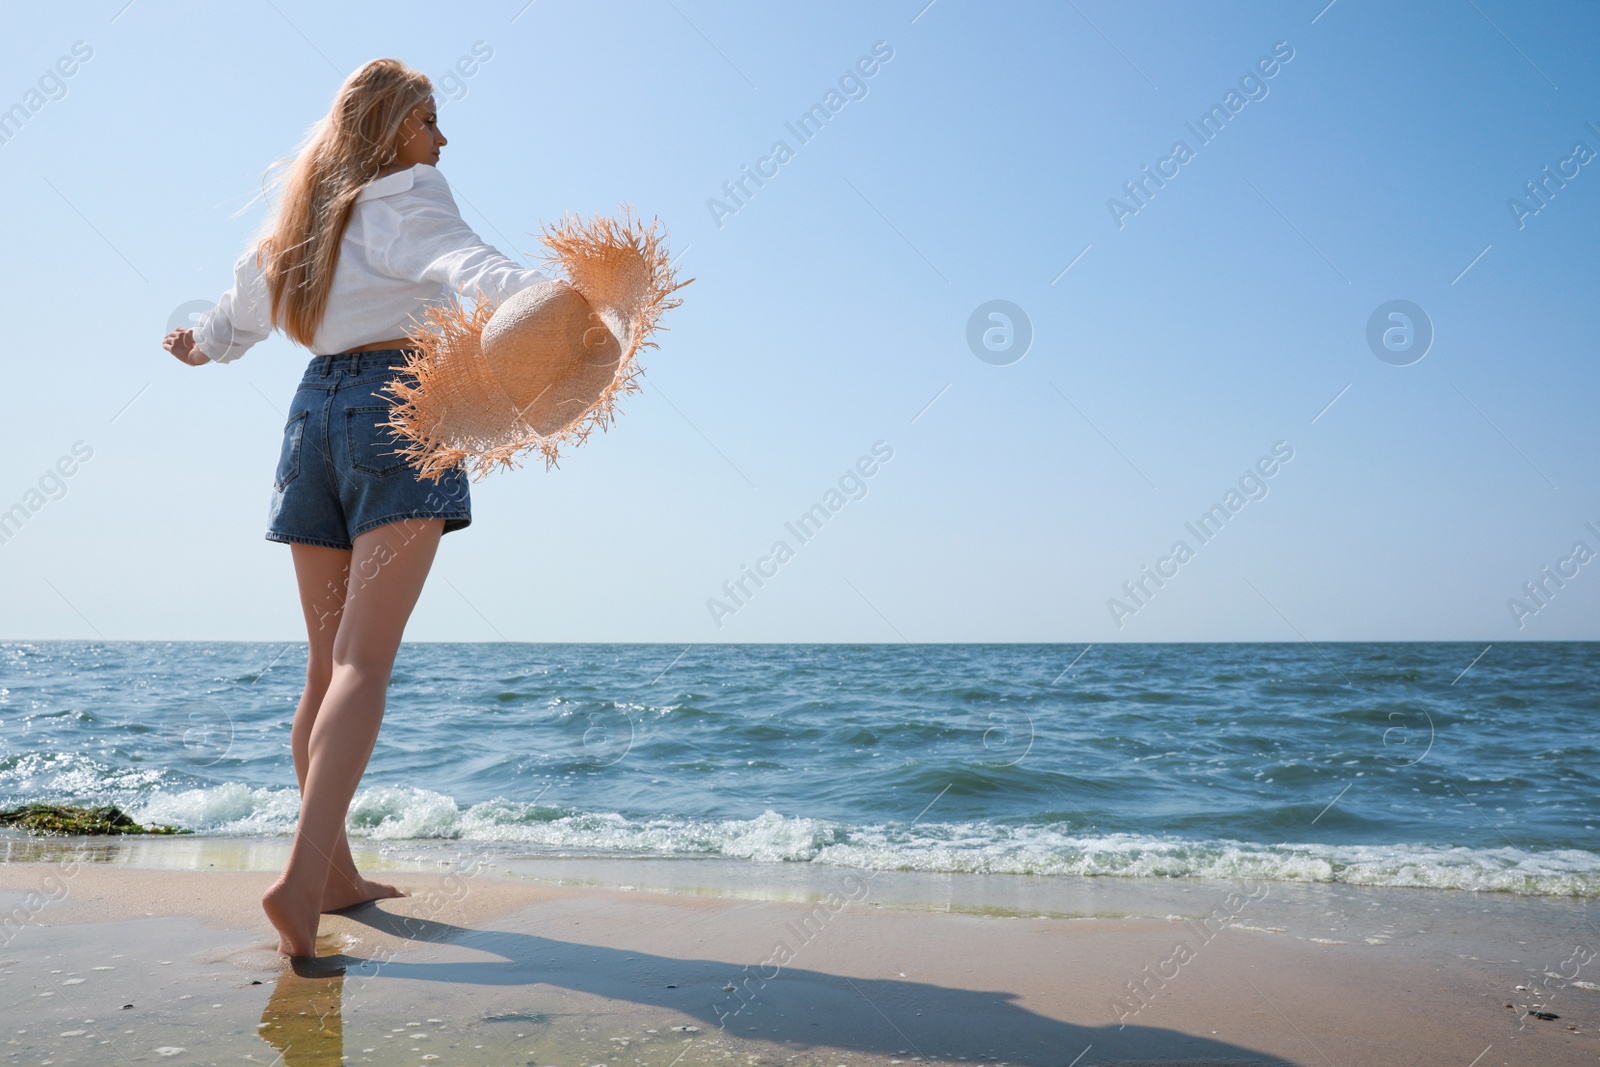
(298, 248)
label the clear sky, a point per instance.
(1369, 153)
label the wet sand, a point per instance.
(156, 952)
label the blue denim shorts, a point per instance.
(338, 472)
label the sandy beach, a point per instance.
(156, 951)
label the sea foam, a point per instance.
(399, 813)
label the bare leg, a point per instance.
(322, 574)
(388, 567)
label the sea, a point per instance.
(1448, 766)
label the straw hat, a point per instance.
(543, 368)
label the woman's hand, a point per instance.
(181, 344)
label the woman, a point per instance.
(366, 236)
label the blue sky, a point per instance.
(1226, 315)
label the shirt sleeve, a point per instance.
(241, 318)
(431, 242)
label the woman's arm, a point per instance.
(427, 240)
(241, 318)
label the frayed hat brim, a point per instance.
(453, 412)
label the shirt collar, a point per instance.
(389, 184)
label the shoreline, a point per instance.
(1052, 894)
(588, 957)
(1568, 874)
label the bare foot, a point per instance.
(294, 917)
(340, 893)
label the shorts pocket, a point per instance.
(294, 432)
(373, 444)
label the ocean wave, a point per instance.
(396, 813)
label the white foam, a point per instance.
(405, 813)
(232, 809)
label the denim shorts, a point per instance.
(338, 472)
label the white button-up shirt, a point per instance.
(406, 247)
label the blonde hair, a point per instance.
(298, 248)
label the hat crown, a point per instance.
(551, 353)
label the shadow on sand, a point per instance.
(867, 1016)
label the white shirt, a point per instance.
(406, 247)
